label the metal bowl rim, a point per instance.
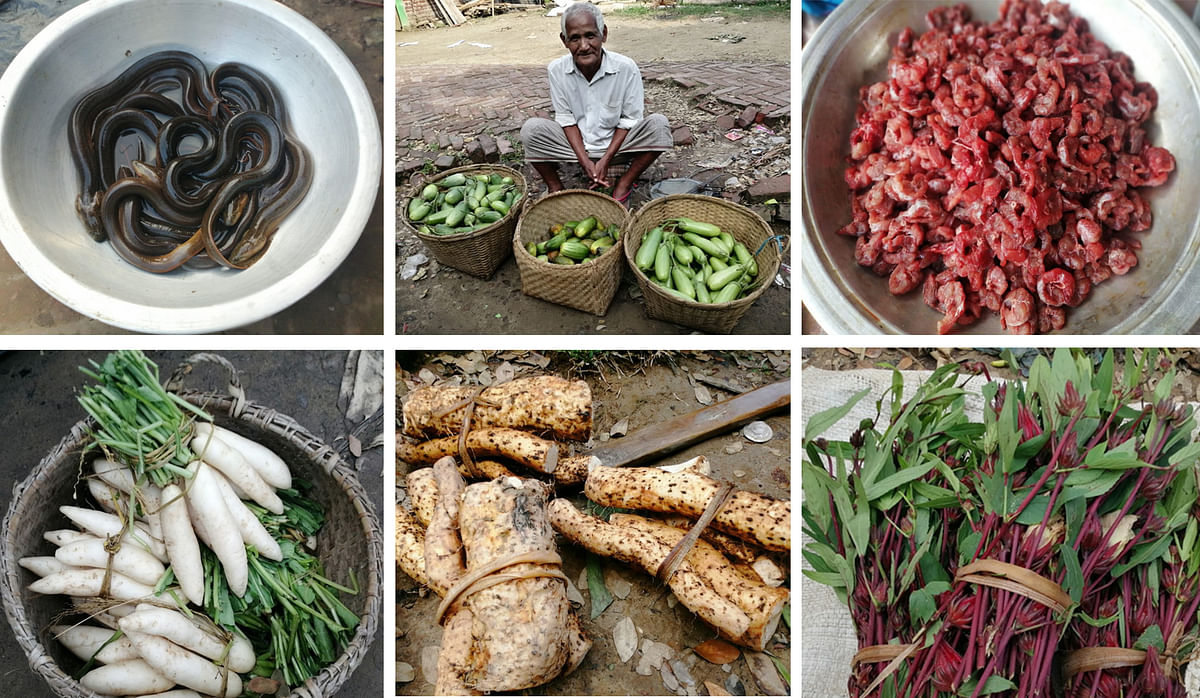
(838, 312)
(268, 300)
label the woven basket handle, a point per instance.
(175, 382)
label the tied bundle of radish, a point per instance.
(191, 516)
(1049, 549)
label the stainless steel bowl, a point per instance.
(851, 49)
(328, 108)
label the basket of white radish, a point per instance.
(185, 544)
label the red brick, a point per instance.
(748, 116)
(504, 146)
(725, 123)
(456, 142)
(683, 136)
(444, 162)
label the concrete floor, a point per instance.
(350, 301)
(38, 408)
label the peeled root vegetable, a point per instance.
(89, 582)
(233, 465)
(182, 547)
(644, 550)
(186, 668)
(410, 547)
(761, 520)
(515, 634)
(84, 641)
(422, 494)
(188, 634)
(119, 477)
(251, 529)
(215, 526)
(103, 525)
(270, 467)
(549, 405)
(177, 693)
(761, 603)
(44, 566)
(135, 563)
(523, 448)
(131, 678)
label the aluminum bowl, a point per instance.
(851, 49)
(328, 109)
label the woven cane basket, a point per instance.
(350, 539)
(589, 287)
(481, 252)
(746, 226)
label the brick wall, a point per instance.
(420, 13)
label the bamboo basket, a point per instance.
(350, 539)
(588, 287)
(746, 226)
(478, 253)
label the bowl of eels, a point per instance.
(183, 166)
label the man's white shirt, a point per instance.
(612, 99)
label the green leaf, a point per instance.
(896, 480)
(994, 684)
(1152, 637)
(1088, 483)
(1073, 584)
(1143, 553)
(1186, 455)
(822, 421)
(922, 604)
(601, 598)
(1187, 548)
(781, 668)
(1122, 457)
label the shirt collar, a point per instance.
(607, 67)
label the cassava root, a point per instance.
(546, 405)
(761, 520)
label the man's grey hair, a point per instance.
(587, 8)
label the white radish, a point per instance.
(187, 668)
(86, 641)
(89, 583)
(206, 504)
(103, 525)
(43, 566)
(269, 465)
(183, 550)
(253, 532)
(64, 536)
(186, 633)
(129, 678)
(231, 463)
(106, 496)
(133, 562)
(120, 477)
(177, 693)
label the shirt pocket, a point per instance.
(610, 114)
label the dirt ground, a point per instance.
(445, 301)
(530, 37)
(643, 388)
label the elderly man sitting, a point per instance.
(598, 103)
